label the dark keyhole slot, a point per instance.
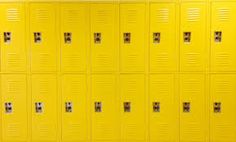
(39, 107)
(127, 107)
(98, 106)
(37, 37)
(218, 36)
(7, 37)
(68, 106)
(156, 37)
(186, 107)
(8, 107)
(127, 37)
(187, 37)
(217, 107)
(97, 38)
(67, 38)
(156, 106)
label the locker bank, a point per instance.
(117, 71)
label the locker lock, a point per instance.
(187, 37)
(217, 107)
(38, 107)
(68, 106)
(127, 37)
(67, 38)
(98, 106)
(127, 106)
(186, 107)
(97, 38)
(7, 37)
(156, 106)
(37, 37)
(156, 37)
(218, 36)
(8, 107)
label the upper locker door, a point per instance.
(133, 108)
(12, 31)
(222, 108)
(104, 37)
(43, 39)
(14, 110)
(132, 37)
(74, 108)
(105, 108)
(44, 108)
(193, 122)
(74, 36)
(163, 49)
(193, 50)
(223, 33)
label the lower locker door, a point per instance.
(44, 107)
(222, 108)
(104, 108)
(14, 110)
(133, 106)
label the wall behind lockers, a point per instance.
(117, 71)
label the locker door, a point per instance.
(12, 32)
(44, 107)
(193, 50)
(223, 31)
(132, 37)
(133, 108)
(163, 49)
(14, 108)
(43, 37)
(222, 108)
(162, 108)
(104, 110)
(74, 36)
(193, 120)
(74, 108)
(104, 37)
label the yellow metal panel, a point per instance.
(162, 108)
(223, 52)
(133, 121)
(74, 120)
(193, 50)
(163, 49)
(44, 120)
(104, 48)
(104, 108)
(192, 108)
(132, 47)
(74, 36)
(222, 121)
(12, 29)
(42, 37)
(14, 111)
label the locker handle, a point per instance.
(218, 36)
(8, 107)
(7, 37)
(187, 37)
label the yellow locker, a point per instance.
(193, 49)
(193, 122)
(163, 113)
(132, 37)
(44, 107)
(104, 37)
(43, 39)
(163, 49)
(74, 36)
(14, 108)
(74, 103)
(133, 108)
(223, 32)
(12, 31)
(104, 108)
(222, 108)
